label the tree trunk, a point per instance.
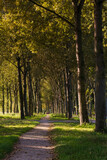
(30, 93)
(15, 98)
(20, 88)
(35, 101)
(65, 92)
(69, 87)
(100, 68)
(77, 107)
(53, 107)
(10, 100)
(3, 99)
(61, 96)
(80, 68)
(7, 98)
(39, 97)
(25, 90)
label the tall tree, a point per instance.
(20, 89)
(100, 67)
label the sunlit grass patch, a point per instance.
(62, 117)
(10, 130)
(36, 116)
(10, 115)
(58, 117)
(17, 116)
(75, 142)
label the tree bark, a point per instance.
(35, 101)
(25, 90)
(100, 68)
(69, 87)
(7, 98)
(3, 99)
(30, 92)
(77, 112)
(65, 92)
(80, 68)
(53, 106)
(35, 97)
(20, 88)
(10, 100)
(15, 98)
(39, 97)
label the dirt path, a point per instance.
(35, 144)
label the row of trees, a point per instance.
(12, 97)
(39, 41)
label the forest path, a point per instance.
(35, 144)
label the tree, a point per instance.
(100, 67)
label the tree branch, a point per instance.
(14, 65)
(51, 11)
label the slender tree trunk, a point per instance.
(80, 68)
(61, 97)
(14, 102)
(65, 91)
(100, 67)
(35, 102)
(53, 107)
(15, 98)
(17, 107)
(77, 101)
(20, 88)
(25, 95)
(39, 97)
(10, 100)
(3, 99)
(57, 103)
(69, 86)
(35, 97)
(30, 93)
(25, 90)
(7, 98)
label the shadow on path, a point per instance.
(35, 144)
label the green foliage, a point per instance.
(79, 142)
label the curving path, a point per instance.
(35, 144)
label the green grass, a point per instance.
(36, 116)
(17, 116)
(75, 142)
(57, 117)
(62, 117)
(11, 127)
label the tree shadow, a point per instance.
(77, 144)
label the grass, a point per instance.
(11, 127)
(17, 116)
(75, 142)
(58, 117)
(62, 117)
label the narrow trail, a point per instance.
(35, 144)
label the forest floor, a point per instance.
(35, 144)
(75, 142)
(67, 135)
